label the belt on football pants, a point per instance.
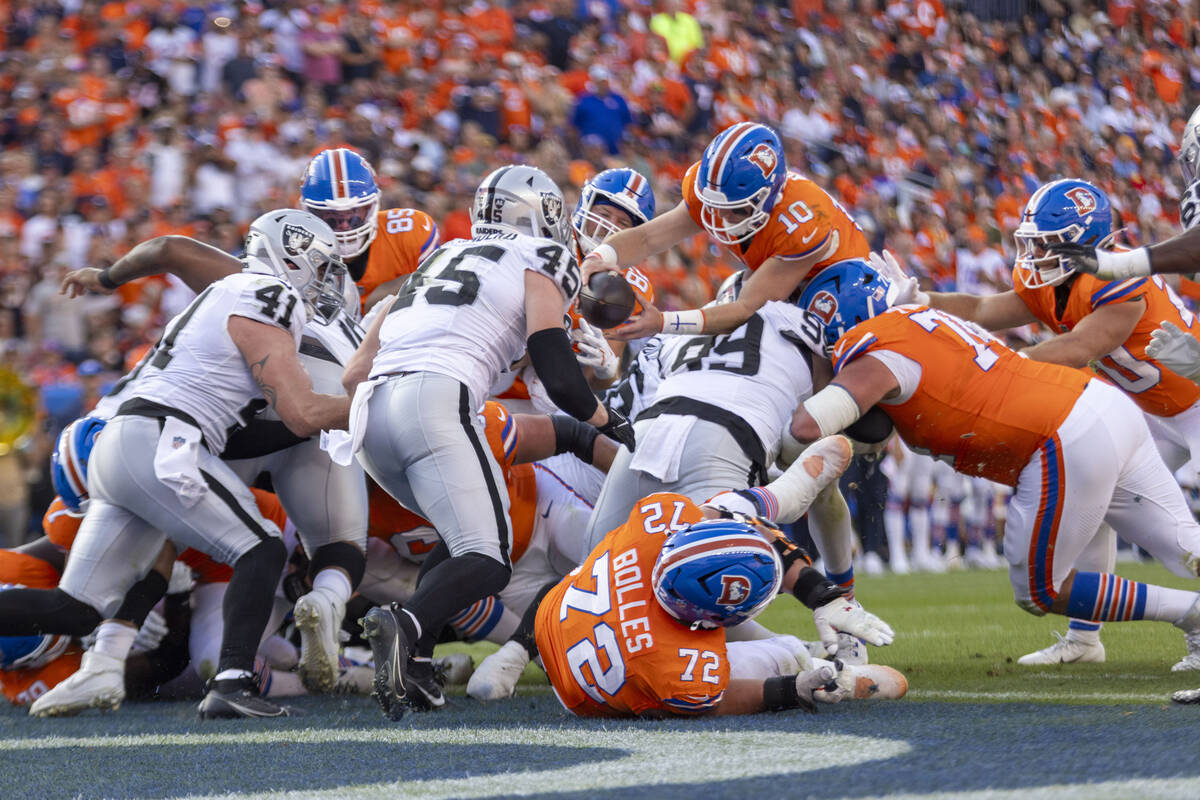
(737, 427)
(141, 407)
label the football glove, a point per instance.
(618, 428)
(151, 634)
(594, 351)
(1175, 349)
(824, 678)
(908, 290)
(848, 616)
(1081, 258)
(1107, 265)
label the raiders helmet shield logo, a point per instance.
(764, 158)
(824, 305)
(734, 589)
(296, 239)
(551, 208)
(1085, 201)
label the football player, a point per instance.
(954, 390)
(639, 628)
(1108, 324)
(782, 226)
(472, 309)
(232, 351)
(380, 248)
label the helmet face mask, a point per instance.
(1061, 211)
(339, 187)
(521, 199)
(298, 247)
(739, 178)
(614, 200)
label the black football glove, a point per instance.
(1080, 257)
(618, 428)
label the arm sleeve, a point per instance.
(554, 362)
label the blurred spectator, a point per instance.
(679, 28)
(980, 269)
(601, 112)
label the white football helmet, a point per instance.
(521, 199)
(1189, 148)
(300, 248)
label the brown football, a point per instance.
(607, 300)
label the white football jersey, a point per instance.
(197, 369)
(638, 385)
(760, 372)
(462, 313)
(325, 348)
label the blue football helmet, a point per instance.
(30, 652)
(845, 294)
(339, 187)
(69, 462)
(738, 181)
(1062, 211)
(716, 573)
(623, 188)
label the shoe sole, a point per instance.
(388, 666)
(110, 701)
(228, 710)
(317, 671)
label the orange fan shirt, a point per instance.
(1156, 389)
(411, 534)
(977, 403)
(805, 220)
(404, 238)
(609, 648)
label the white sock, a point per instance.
(233, 675)
(113, 639)
(333, 582)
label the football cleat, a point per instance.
(354, 679)
(1187, 697)
(424, 690)
(1066, 651)
(390, 649)
(319, 619)
(235, 698)
(1192, 660)
(98, 683)
(497, 675)
(872, 682)
(453, 669)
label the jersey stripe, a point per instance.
(1113, 292)
(848, 356)
(1045, 526)
(732, 136)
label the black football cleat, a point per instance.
(424, 688)
(390, 648)
(236, 698)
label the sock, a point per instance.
(1102, 596)
(450, 587)
(918, 525)
(248, 603)
(843, 579)
(894, 526)
(113, 639)
(1079, 630)
(142, 597)
(335, 583)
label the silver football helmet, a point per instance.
(300, 248)
(521, 199)
(1189, 148)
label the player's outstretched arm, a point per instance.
(1096, 335)
(358, 367)
(271, 354)
(995, 312)
(1179, 254)
(633, 245)
(195, 263)
(858, 387)
(545, 435)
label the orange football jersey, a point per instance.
(404, 238)
(209, 570)
(23, 686)
(409, 533)
(804, 221)
(978, 404)
(609, 648)
(1156, 389)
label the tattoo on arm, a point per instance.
(268, 391)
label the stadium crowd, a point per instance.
(932, 123)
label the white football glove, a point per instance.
(151, 634)
(1176, 350)
(848, 616)
(807, 684)
(908, 291)
(182, 579)
(594, 351)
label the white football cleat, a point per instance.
(98, 683)
(456, 668)
(1065, 651)
(1190, 624)
(873, 682)
(497, 675)
(319, 619)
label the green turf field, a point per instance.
(973, 726)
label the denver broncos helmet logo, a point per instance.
(764, 158)
(1085, 201)
(824, 305)
(734, 589)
